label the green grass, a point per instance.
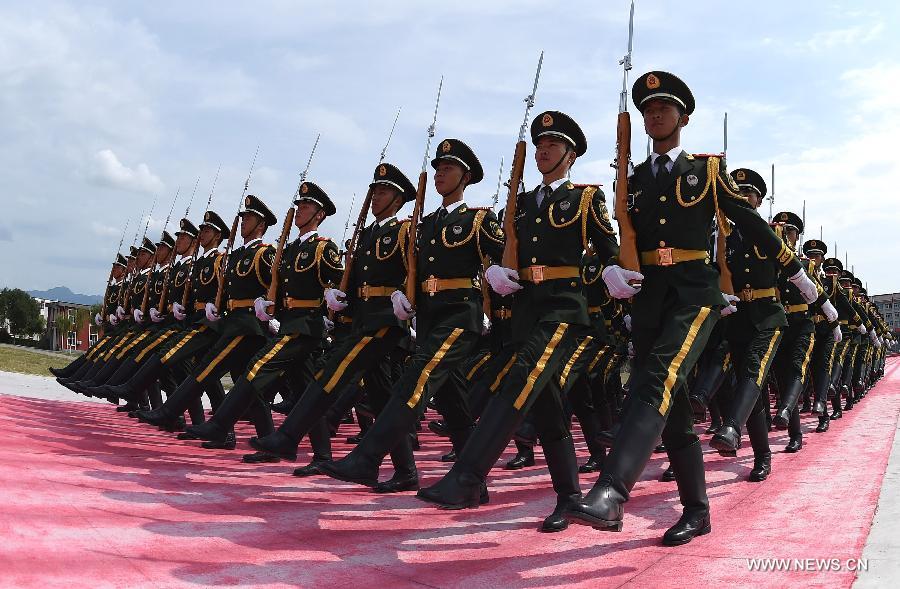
(25, 362)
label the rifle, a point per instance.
(234, 227)
(499, 184)
(109, 280)
(124, 276)
(135, 271)
(511, 247)
(628, 255)
(190, 280)
(165, 289)
(485, 289)
(286, 228)
(772, 194)
(411, 286)
(150, 274)
(361, 219)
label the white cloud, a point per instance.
(107, 170)
(103, 230)
(850, 36)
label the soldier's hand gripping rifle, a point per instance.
(485, 288)
(109, 280)
(223, 269)
(511, 247)
(286, 228)
(190, 281)
(150, 273)
(360, 222)
(411, 274)
(164, 295)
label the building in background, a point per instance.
(889, 307)
(79, 337)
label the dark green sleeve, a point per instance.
(331, 268)
(600, 230)
(491, 240)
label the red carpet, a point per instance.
(90, 498)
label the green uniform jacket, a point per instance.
(752, 269)
(308, 267)
(678, 216)
(557, 234)
(379, 261)
(598, 297)
(455, 248)
(801, 322)
(204, 284)
(247, 277)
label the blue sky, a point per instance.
(107, 104)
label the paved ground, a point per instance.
(90, 498)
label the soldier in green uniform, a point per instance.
(377, 270)
(247, 277)
(309, 265)
(454, 243)
(675, 197)
(555, 224)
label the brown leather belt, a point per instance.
(844, 322)
(503, 314)
(597, 309)
(538, 274)
(239, 304)
(668, 256)
(819, 318)
(366, 292)
(796, 308)
(344, 319)
(289, 303)
(433, 285)
(752, 294)
(199, 306)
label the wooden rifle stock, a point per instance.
(106, 293)
(354, 240)
(279, 251)
(511, 247)
(222, 270)
(628, 255)
(147, 290)
(411, 274)
(161, 306)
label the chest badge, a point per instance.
(457, 230)
(692, 180)
(387, 240)
(304, 255)
(565, 205)
(592, 269)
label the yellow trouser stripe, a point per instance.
(133, 343)
(672, 374)
(539, 367)
(597, 358)
(221, 356)
(435, 360)
(502, 373)
(564, 377)
(269, 355)
(809, 349)
(181, 343)
(834, 347)
(112, 351)
(155, 343)
(478, 365)
(609, 367)
(764, 365)
(354, 352)
(96, 347)
(726, 362)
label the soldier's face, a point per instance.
(143, 258)
(250, 222)
(384, 199)
(752, 197)
(207, 236)
(817, 258)
(447, 177)
(307, 212)
(162, 253)
(662, 118)
(790, 235)
(549, 151)
(117, 272)
(182, 243)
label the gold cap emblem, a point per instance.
(445, 147)
(382, 171)
(652, 82)
(304, 189)
(783, 216)
(547, 120)
(247, 201)
(740, 175)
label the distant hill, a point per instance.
(62, 293)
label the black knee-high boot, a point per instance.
(691, 480)
(563, 467)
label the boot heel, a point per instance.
(609, 527)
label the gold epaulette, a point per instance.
(708, 155)
(594, 184)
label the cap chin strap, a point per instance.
(561, 160)
(386, 207)
(308, 221)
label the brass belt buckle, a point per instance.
(665, 256)
(364, 292)
(748, 294)
(537, 274)
(431, 285)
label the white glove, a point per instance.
(260, 305)
(113, 319)
(877, 342)
(402, 307)
(120, 312)
(806, 286)
(485, 324)
(329, 324)
(829, 311)
(412, 334)
(861, 329)
(155, 317)
(616, 279)
(98, 320)
(138, 315)
(502, 280)
(333, 298)
(274, 326)
(412, 324)
(627, 320)
(838, 336)
(730, 307)
(178, 311)
(212, 314)
(873, 336)
(630, 347)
